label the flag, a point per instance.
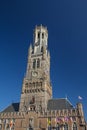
(79, 97)
(74, 118)
(49, 121)
(11, 123)
(70, 120)
(58, 119)
(66, 119)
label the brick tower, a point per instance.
(36, 88)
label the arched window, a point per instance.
(42, 35)
(57, 126)
(66, 127)
(33, 84)
(25, 91)
(30, 84)
(34, 63)
(26, 85)
(31, 123)
(38, 35)
(36, 84)
(42, 49)
(74, 126)
(41, 84)
(38, 63)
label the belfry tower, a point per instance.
(36, 88)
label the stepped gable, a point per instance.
(59, 104)
(14, 107)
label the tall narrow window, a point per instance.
(57, 127)
(38, 35)
(74, 126)
(42, 49)
(26, 85)
(38, 63)
(42, 35)
(34, 63)
(33, 84)
(31, 123)
(66, 127)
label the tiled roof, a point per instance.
(59, 104)
(53, 104)
(14, 107)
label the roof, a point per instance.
(59, 104)
(53, 104)
(14, 107)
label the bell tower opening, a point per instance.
(36, 88)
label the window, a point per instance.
(49, 128)
(0, 126)
(30, 84)
(36, 84)
(26, 85)
(38, 63)
(38, 35)
(41, 84)
(25, 90)
(31, 122)
(42, 49)
(57, 127)
(66, 127)
(34, 63)
(42, 35)
(74, 126)
(33, 84)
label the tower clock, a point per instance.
(36, 88)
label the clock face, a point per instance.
(34, 73)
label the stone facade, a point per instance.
(37, 110)
(36, 89)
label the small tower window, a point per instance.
(38, 63)
(42, 49)
(41, 84)
(25, 90)
(38, 35)
(33, 84)
(42, 35)
(34, 64)
(36, 84)
(26, 85)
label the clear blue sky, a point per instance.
(66, 21)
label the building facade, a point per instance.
(37, 109)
